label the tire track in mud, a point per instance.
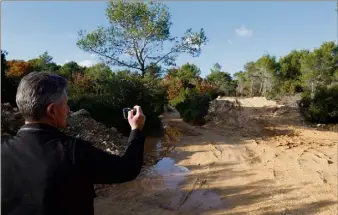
(198, 184)
(216, 148)
(291, 148)
(307, 154)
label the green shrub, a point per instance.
(118, 94)
(272, 95)
(291, 87)
(157, 92)
(9, 87)
(194, 108)
(323, 108)
(184, 93)
(8, 84)
(213, 94)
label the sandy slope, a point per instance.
(269, 164)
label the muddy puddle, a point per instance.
(164, 183)
(161, 169)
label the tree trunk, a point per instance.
(264, 87)
(261, 88)
(241, 89)
(251, 88)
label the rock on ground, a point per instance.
(82, 126)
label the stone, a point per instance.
(81, 112)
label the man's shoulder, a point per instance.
(6, 141)
(10, 141)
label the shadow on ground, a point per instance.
(201, 193)
(214, 187)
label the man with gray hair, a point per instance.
(44, 171)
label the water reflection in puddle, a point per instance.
(159, 171)
(172, 173)
(160, 183)
(163, 175)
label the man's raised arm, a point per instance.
(104, 168)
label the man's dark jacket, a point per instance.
(44, 171)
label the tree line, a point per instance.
(298, 71)
(134, 42)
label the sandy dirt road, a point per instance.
(267, 165)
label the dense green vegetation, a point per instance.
(323, 108)
(312, 73)
(148, 78)
(299, 71)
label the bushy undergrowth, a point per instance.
(323, 108)
(120, 93)
(194, 108)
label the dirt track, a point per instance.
(269, 164)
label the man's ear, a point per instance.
(50, 110)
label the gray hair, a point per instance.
(36, 91)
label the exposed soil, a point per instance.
(256, 158)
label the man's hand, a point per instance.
(136, 121)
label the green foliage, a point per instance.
(194, 108)
(68, 70)
(290, 87)
(8, 84)
(223, 81)
(139, 30)
(189, 93)
(184, 93)
(44, 63)
(318, 67)
(242, 83)
(157, 91)
(323, 108)
(100, 72)
(3, 69)
(181, 82)
(186, 72)
(299, 71)
(104, 93)
(121, 91)
(153, 71)
(108, 110)
(290, 65)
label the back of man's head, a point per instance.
(36, 91)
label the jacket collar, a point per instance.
(39, 127)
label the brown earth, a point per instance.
(252, 157)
